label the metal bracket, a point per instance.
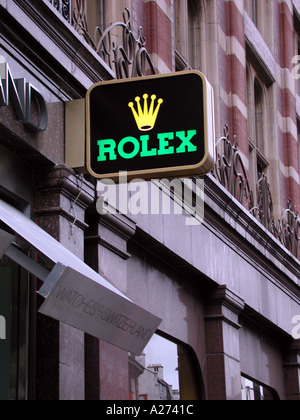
(6, 240)
(27, 263)
(51, 280)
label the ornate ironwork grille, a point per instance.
(129, 58)
(64, 7)
(230, 172)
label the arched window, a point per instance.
(189, 30)
(14, 308)
(257, 126)
(255, 391)
(166, 370)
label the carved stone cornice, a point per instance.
(62, 192)
(257, 242)
(113, 232)
(225, 305)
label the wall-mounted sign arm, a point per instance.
(51, 280)
(27, 263)
(6, 240)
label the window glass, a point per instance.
(13, 348)
(254, 12)
(253, 391)
(258, 116)
(257, 123)
(192, 33)
(164, 371)
(187, 27)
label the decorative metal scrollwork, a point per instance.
(288, 228)
(264, 209)
(64, 7)
(130, 58)
(230, 172)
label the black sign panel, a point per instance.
(153, 127)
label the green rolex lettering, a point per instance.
(136, 147)
(164, 147)
(186, 145)
(145, 152)
(106, 150)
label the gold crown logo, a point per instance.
(145, 118)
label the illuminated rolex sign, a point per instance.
(153, 127)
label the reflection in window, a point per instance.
(14, 349)
(253, 391)
(164, 371)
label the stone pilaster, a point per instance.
(62, 198)
(107, 367)
(222, 345)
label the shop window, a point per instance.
(165, 371)
(14, 348)
(254, 391)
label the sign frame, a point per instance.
(200, 169)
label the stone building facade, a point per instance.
(226, 286)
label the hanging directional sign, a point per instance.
(152, 127)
